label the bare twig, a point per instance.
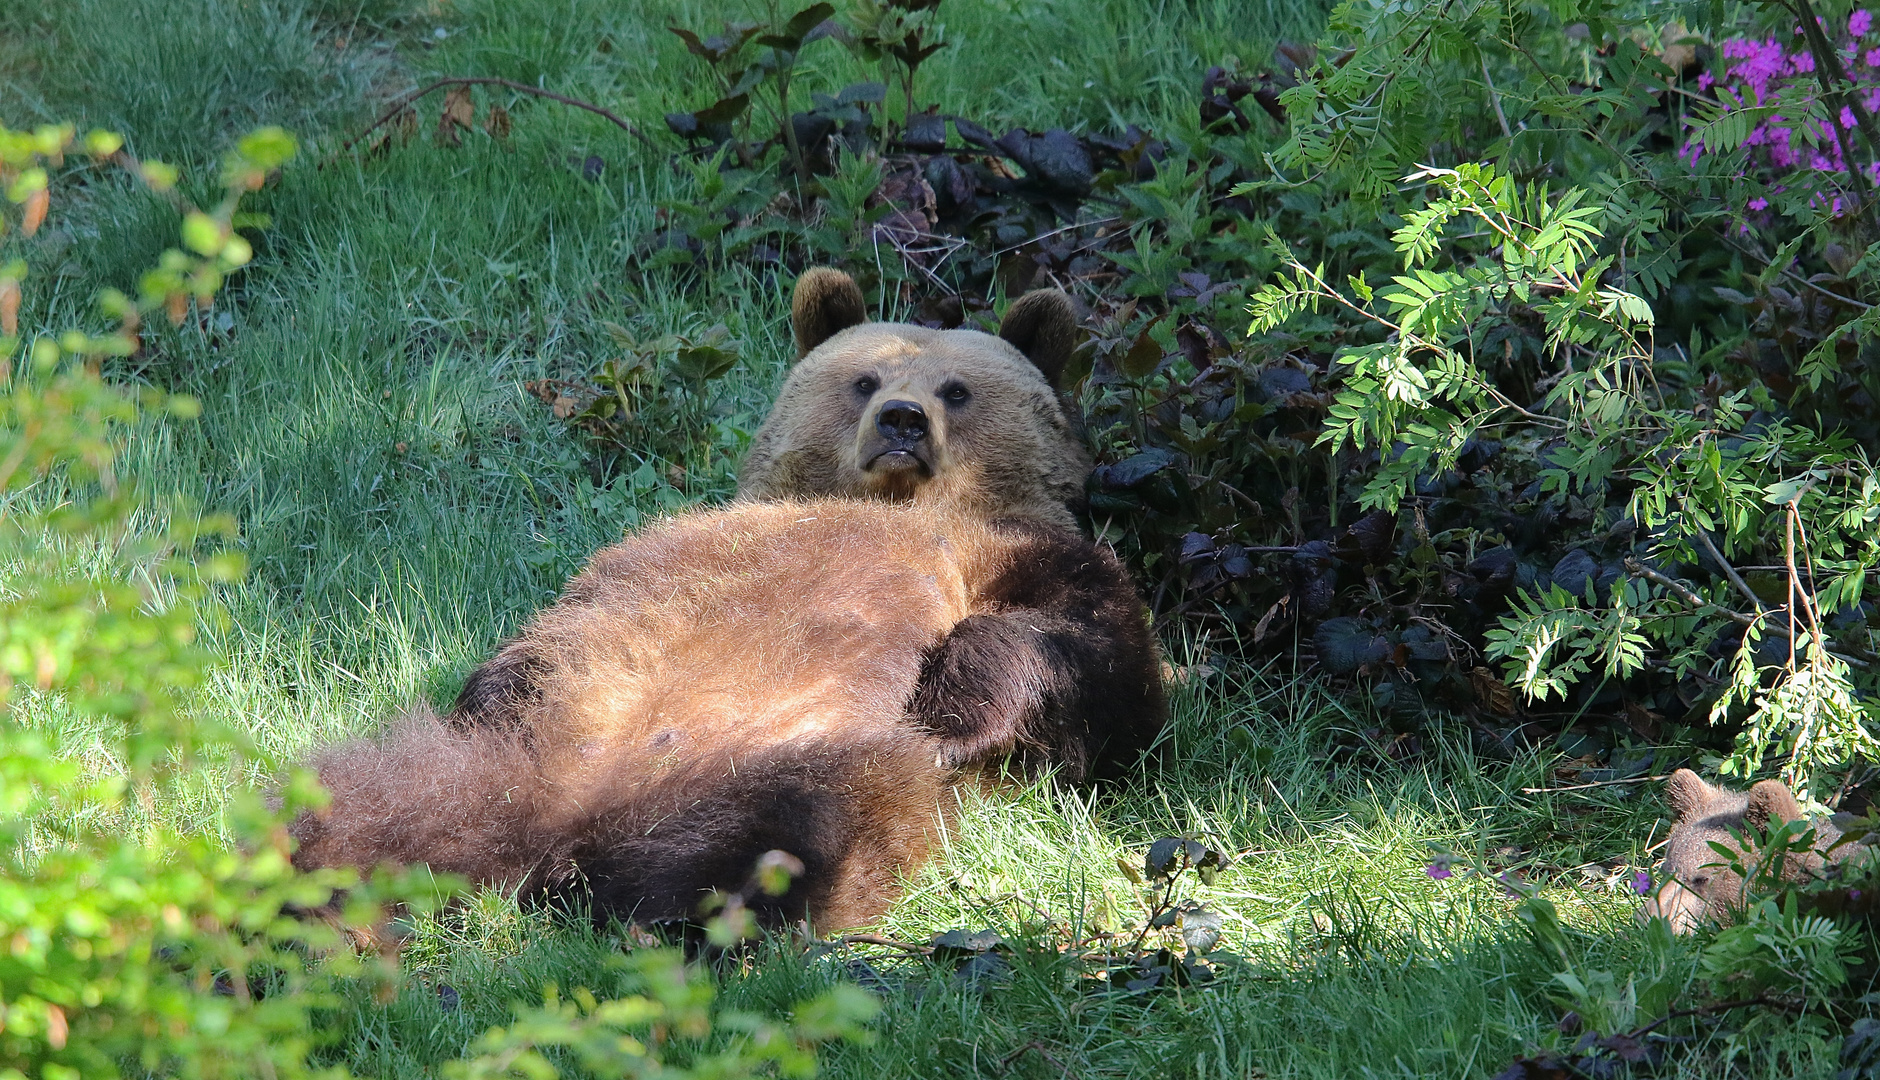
(1054, 232)
(1595, 784)
(1037, 1048)
(1729, 571)
(1798, 279)
(1701, 1010)
(889, 943)
(404, 101)
(1494, 98)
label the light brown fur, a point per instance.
(1698, 883)
(1009, 451)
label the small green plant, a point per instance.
(668, 379)
(741, 69)
(135, 941)
(1779, 953)
(900, 35)
(662, 1031)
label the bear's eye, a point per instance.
(955, 394)
(866, 385)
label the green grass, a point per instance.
(404, 504)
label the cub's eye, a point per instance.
(866, 385)
(955, 394)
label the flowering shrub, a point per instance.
(1771, 99)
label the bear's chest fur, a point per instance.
(728, 632)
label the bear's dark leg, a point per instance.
(856, 811)
(1057, 665)
(497, 691)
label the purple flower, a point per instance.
(1853, 895)
(1440, 868)
(1872, 58)
(1859, 23)
(1758, 203)
(1847, 117)
(1705, 80)
(1756, 63)
(1641, 883)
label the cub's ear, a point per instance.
(825, 303)
(1771, 802)
(1043, 325)
(1687, 794)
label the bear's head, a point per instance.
(1699, 883)
(899, 412)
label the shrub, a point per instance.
(135, 940)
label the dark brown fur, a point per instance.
(804, 676)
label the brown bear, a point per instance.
(1699, 884)
(898, 597)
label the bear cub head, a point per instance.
(904, 413)
(1699, 883)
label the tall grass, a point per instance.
(404, 504)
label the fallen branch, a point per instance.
(1594, 784)
(1035, 1047)
(1701, 1010)
(405, 100)
(890, 943)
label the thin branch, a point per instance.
(404, 101)
(1701, 1010)
(1833, 79)
(1729, 571)
(1594, 784)
(1859, 657)
(890, 943)
(1684, 593)
(1094, 223)
(1797, 278)
(1494, 98)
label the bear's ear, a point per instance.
(825, 303)
(1771, 802)
(1043, 326)
(1687, 794)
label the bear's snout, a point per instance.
(903, 422)
(898, 448)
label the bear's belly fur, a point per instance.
(725, 684)
(739, 629)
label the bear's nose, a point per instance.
(902, 421)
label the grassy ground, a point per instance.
(404, 503)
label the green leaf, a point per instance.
(202, 233)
